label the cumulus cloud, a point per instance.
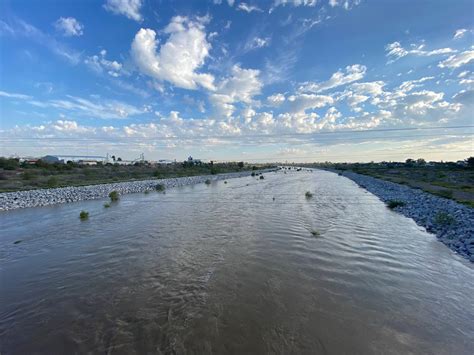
(352, 73)
(69, 26)
(396, 51)
(241, 86)
(248, 8)
(457, 60)
(178, 59)
(128, 8)
(276, 99)
(100, 64)
(303, 102)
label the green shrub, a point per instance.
(114, 196)
(207, 182)
(106, 205)
(253, 174)
(394, 204)
(308, 194)
(84, 215)
(160, 187)
(444, 219)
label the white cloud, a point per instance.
(276, 99)
(69, 26)
(294, 3)
(460, 33)
(21, 28)
(178, 58)
(396, 51)
(457, 60)
(256, 42)
(346, 4)
(90, 108)
(303, 102)
(12, 95)
(248, 8)
(128, 8)
(100, 64)
(373, 88)
(353, 73)
(241, 86)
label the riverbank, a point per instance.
(450, 221)
(45, 197)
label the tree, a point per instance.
(241, 164)
(470, 162)
(119, 159)
(420, 161)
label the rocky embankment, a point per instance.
(44, 197)
(451, 222)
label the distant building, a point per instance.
(51, 159)
(88, 162)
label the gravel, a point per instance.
(45, 197)
(451, 222)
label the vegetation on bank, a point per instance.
(453, 180)
(16, 176)
(395, 203)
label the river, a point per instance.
(232, 268)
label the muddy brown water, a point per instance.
(232, 269)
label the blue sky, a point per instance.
(302, 80)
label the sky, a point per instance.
(276, 80)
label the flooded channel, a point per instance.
(245, 267)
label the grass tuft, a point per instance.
(114, 196)
(308, 194)
(106, 205)
(84, 215)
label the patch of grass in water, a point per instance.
(308, 194)
(17, 241)
(106, 205)
(315, 233)
(114, 196)
(84, 215)
(207, 182)
(395, 203)
(261, 177)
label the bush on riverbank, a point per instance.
(160, 187)
(395, 203)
